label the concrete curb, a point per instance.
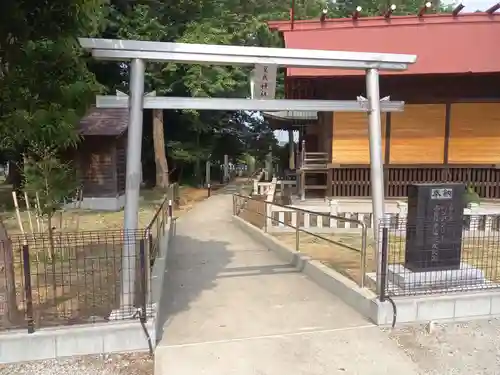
(158, 277)
(361, 299)
(20, 346)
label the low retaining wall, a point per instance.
(447, 307)
(75, 340)
(158, 280)
(99, 338)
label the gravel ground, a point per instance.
(115, 364)
(466, 348)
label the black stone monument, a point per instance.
(434, 227)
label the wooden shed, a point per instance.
(101, 158)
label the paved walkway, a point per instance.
(235, 308)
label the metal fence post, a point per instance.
(150, 259)
(297, 234)
(383, 268)
(170, 191)
(144, 281)
(158, 230)
(150, 245)
(177, 197)
(364, 233)
(265, 216)
(163, 217)
(28, 295)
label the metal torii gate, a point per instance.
(140, 51)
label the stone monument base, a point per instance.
(465, 277)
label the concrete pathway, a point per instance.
(234, 308)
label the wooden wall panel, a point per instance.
(350, 143)
(475, 133)
(324, 132)
(417, 134)
(98, 166)
(327, 136)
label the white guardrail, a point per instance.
(476, 219)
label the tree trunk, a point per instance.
(197, 169)
(9, 313)
(162, 179)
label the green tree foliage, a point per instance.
(45, 95)
(45, 89)
(53, 180)
(46, 85)
(192, 136)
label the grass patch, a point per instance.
(70, 220)
(329, 249)
(482, 252)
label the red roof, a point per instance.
(444, 44)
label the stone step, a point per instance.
(317, 153)
(315, 187)
(324, 160)
(315, 167)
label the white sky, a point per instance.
(473, 5)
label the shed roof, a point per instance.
(292, 115)
(105, 122)
(443, 43)
(290, 119)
